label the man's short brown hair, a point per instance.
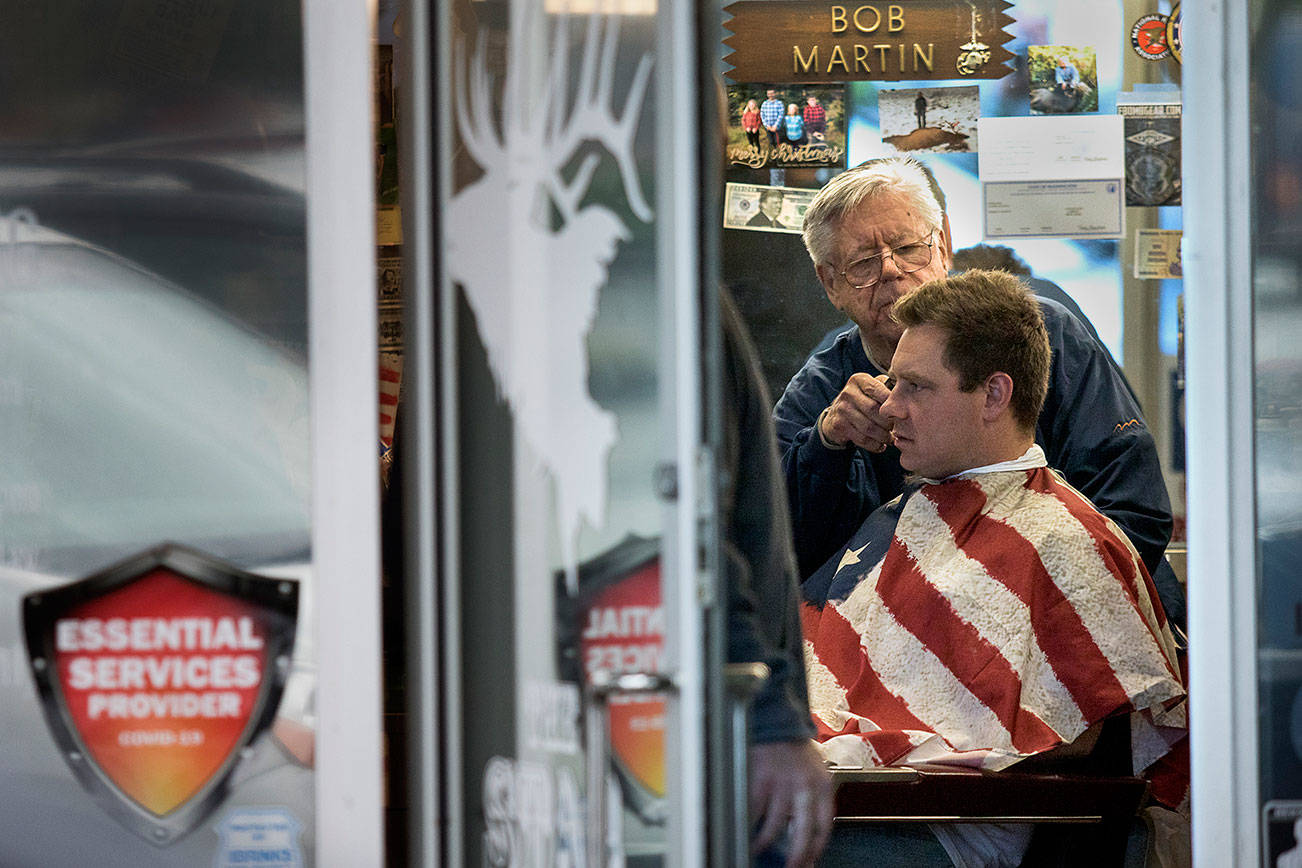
(993, 323)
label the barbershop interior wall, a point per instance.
(788, 312)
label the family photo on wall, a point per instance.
(785, 126)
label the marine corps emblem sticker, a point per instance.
(155, 674)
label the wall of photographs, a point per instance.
(1053, 128)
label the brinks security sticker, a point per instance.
(259, 836)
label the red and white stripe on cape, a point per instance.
(1004, 617)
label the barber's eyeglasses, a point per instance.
(908, 258)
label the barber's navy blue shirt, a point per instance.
(1091, 430)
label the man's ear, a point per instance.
(999, 394)
(946, 242)
(827, 277)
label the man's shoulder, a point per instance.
(840, 350)
(1047, 289)
(1052, 309)
(1015, 510)
(1064, 327)
(1020, 490)
(828, 368)
(1088, 520)
(1038, 505)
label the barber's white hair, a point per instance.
(901, 176)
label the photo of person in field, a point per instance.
(935, 119)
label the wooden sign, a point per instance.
(800, 41)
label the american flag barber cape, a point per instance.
(983, 619)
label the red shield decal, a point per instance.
(154, 674)
(624, 632)
(616, 624)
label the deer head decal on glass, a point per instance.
(530, 241)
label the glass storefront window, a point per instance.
(1276, 149)
(153, 389)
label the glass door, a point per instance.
(563, 440)
(158, 662)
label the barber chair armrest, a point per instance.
(972, 796)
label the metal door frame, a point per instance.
(343, 356)
(1219, 412)
(689, 587)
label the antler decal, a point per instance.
(533, 280)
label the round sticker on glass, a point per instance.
(1148, 37)
(1173, 34)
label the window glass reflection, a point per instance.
(1276, 143)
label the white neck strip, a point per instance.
(1029, 460)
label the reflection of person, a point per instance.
(989, 613)
(1065, 76)
(793, 126)
(790, 791)
(771, 116)
(1292, 858)
(770, 206)
(750, 122)
(815, 117)
(920, 110)
(874, 233)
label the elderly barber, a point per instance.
(875, 232)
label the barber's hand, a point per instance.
(854, 415)
(790, 785)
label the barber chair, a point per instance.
(1082, 806)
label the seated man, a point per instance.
(990, 612)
